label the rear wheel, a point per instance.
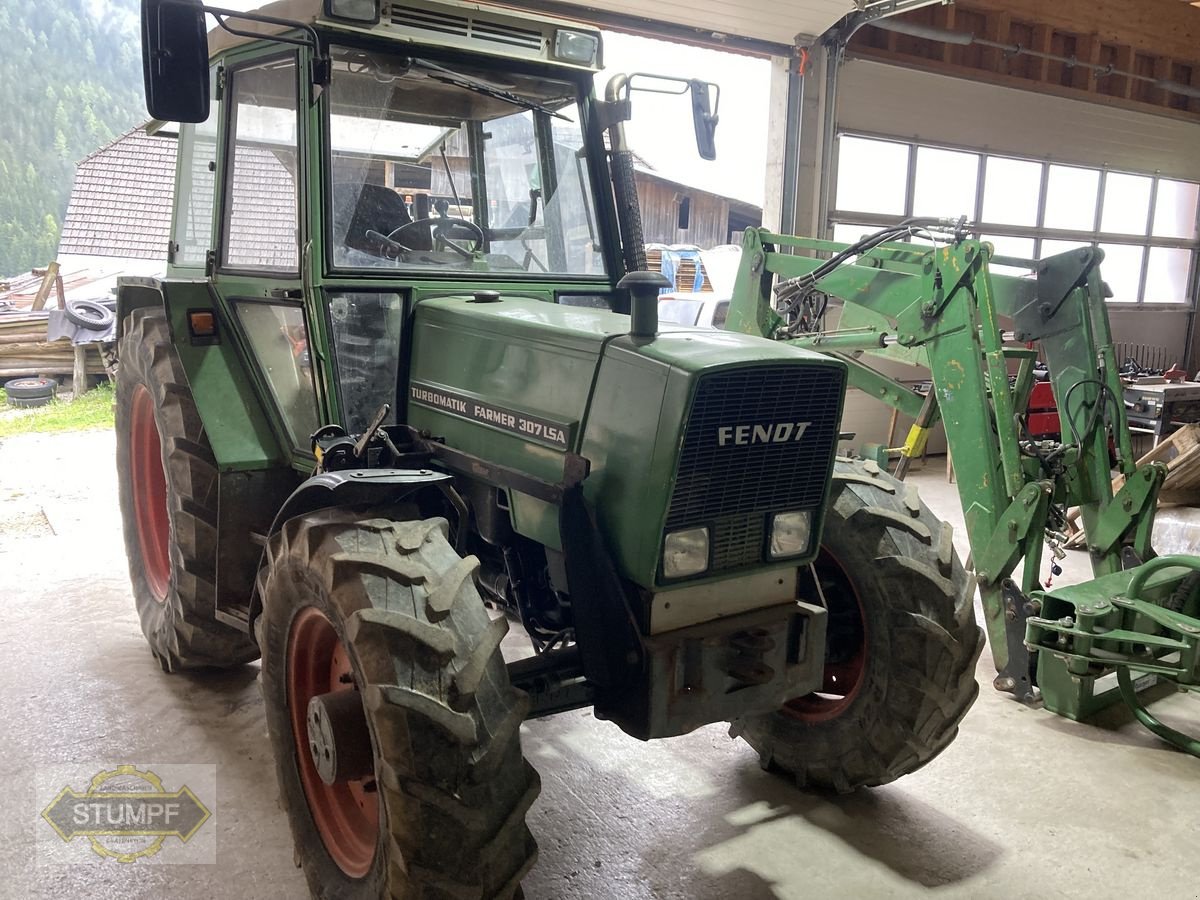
(167, 480)
(393, 723)
(901, 643)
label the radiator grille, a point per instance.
(465, 26)
(731, 479)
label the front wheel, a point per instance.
(901, 643)
(391, 717)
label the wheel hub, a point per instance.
(845, 650)
(345, 810)
(338, 738)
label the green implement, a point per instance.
(940, 305)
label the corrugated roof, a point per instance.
(121, 201)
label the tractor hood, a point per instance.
(692, 423)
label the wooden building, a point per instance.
(675, 213)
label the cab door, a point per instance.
(258, 259)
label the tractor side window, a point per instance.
(279, 339)
(196, 192)
(261, 205)
(366, 345)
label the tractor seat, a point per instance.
(359, 208)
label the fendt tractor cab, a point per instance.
(404, 370)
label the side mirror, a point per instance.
(175, 60)
(704, 116)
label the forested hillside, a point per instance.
(70, 81)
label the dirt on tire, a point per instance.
(444, 720)
(180, 625)
(920, 643)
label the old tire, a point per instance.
(26, 393)
(89, 314)
(901, 645)
(167, 481)
(388, 609)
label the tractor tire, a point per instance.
(901, 643)
(167, 483)
(435, 806)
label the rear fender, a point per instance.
(136, 293)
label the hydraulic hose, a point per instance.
(629, 211)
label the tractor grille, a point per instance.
(740, 462)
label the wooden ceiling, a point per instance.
(1159, 39)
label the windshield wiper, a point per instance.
(449, 76)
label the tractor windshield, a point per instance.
(450, 168)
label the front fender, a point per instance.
(354, 487)
(349, 487)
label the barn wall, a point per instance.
(708, 223)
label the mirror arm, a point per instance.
(321, 65)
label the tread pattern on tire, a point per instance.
(906, 715)
(183, 631)
(445, 718)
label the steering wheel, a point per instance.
(441, 225)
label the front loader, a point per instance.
(923, 292)
(404, 383)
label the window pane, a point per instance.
(1010, 246)
(945, 184)
(1053, 248)
(1175, 209)
(1167, 275)
(872, 175)
(261, 226)
(1126, 203)
(848, 234)
(1011, 190)
(279, 339)
(1071, 198)
(197, 189)
(1122, 271)
(366, 343)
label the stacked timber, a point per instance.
(685, 269)
(25, 352)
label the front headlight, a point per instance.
(685, 553)
(790, 532)
(364, 12)
(576, 46)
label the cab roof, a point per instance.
(479, 27)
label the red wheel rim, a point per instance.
(345, 814)
(846, 649)
(149, 493)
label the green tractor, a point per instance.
(405, 384)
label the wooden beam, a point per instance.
(79, 382)
(1088, 50)
(1024, 84)
(1165, 27)
(1042, 35)
(1162, 70)
(1125, 64)
(48, 280)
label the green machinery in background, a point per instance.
(934, 300)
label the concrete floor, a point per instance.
(1023, 804)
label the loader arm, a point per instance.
(940, 305)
